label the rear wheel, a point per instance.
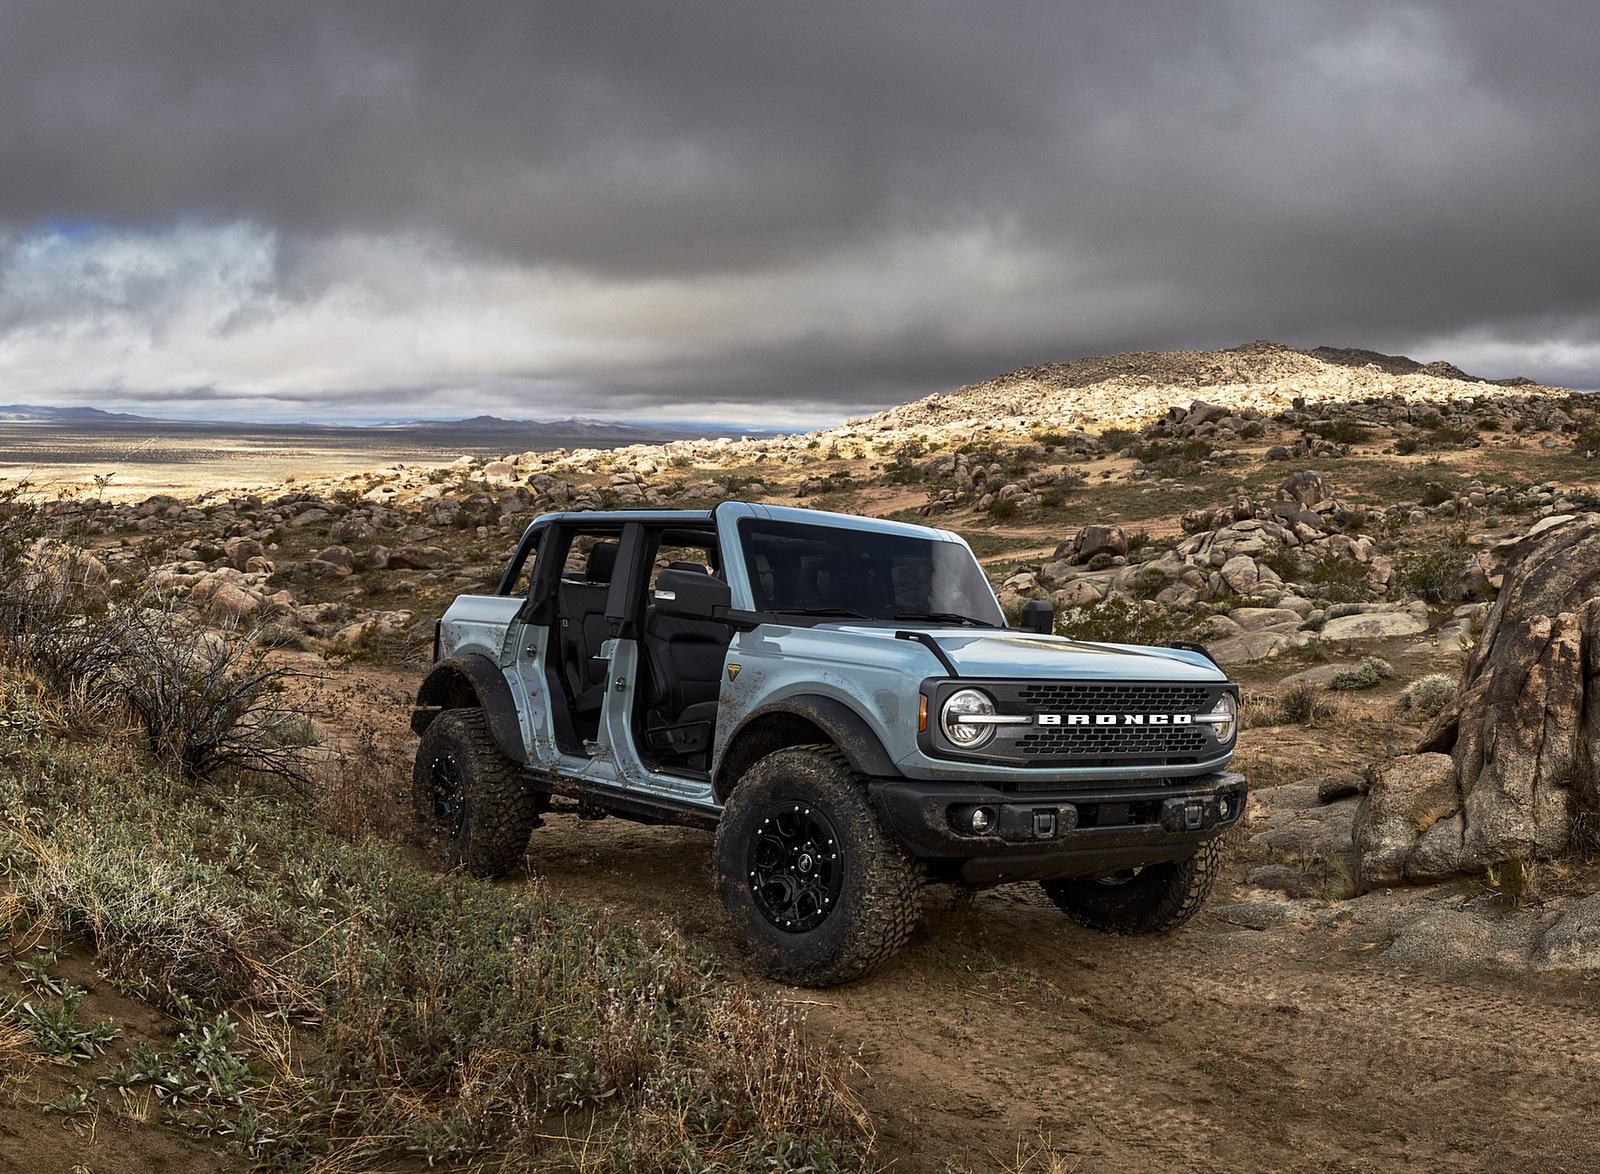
(1148, 900)
(473, 795)
(813, 888)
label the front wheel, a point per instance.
(811, 885)
(1148, 900)
(474, 795)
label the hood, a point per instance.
(1007, 653)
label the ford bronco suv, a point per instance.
(842, 701)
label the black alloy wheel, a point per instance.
(796, 870)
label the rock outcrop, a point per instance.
(1521, 735)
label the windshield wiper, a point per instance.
(822, 611)
(947, 617)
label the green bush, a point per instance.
(1436, 577)
(340, 1009)
(1338, 578)
(1364, 675)
(1339, 431)
(1427, 696)
(1117, 439)
(1115, 620)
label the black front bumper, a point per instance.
(1047, 835)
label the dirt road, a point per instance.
(1003, 1025)
(1004, 1034)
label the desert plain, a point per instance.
(1334, 525)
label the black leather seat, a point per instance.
(683, 673)
(582, 631)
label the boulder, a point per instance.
(240, 551)
(1405, 797)
(1374, 626)
(1239, 572)
(1520, 737)
(1573, 942)
(418, 558)
(1093, 540)
(1307, 488)
(1523, 726)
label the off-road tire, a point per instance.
(877, 888)
(1154, 899)
(473, 795)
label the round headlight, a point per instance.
(961, 705)
(1225, 718)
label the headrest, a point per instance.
(602, 561)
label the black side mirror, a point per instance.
(1038, 617)
(691, 595)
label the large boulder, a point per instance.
(1521, 736)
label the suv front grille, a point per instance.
(1091, 723)
(1098, 698)
(1137, 741)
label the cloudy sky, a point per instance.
(775, 212)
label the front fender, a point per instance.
(801, 719)
(472, 680)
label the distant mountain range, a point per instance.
(478, 432)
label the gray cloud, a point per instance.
(788, 211)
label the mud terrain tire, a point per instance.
(814, 890)
(1150, 900)
(474, 795)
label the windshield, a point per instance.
(831, 570)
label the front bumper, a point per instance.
(1047, 835)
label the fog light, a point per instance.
(1224, 807)
(981, 819)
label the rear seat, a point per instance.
(683, 674)
(581, 632)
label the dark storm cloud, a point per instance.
(835, 204)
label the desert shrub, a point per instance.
(1587, 439)
(1303, 704)
(1150, 582)
(1338, 578)
(340, 1009)
(1114, 620)
(1434, 577)
(1406, 445)
(1363, 675)
(1173, 458)
(208, 699)
(1283, 562)
(1002, 508)
(1103, 561)
(1350, 521)
(205, 700)
(1300, 704)
(1116, 439)
(1427, 696)
(1339, 431)
(1446, 435)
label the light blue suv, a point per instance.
(841, 699)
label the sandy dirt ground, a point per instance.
(1004, 1037)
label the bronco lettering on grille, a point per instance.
(1113, 719)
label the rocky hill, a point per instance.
(1127, 390)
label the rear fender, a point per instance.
(472, 680)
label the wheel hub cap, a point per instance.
(795, 867)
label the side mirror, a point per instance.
(691, 595)
(1038, 617)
